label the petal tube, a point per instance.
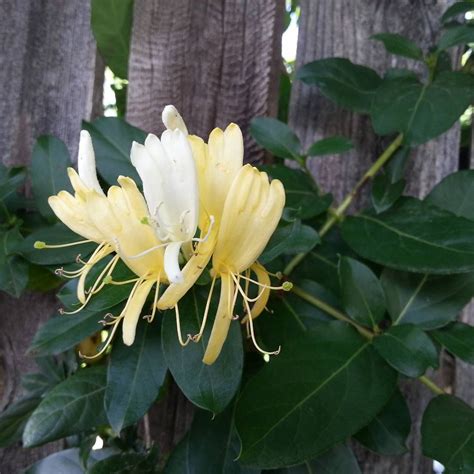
(171, 261)
(222, 321)
(133, 310)
(172, 119)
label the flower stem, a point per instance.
(342, 208)
(335, 313)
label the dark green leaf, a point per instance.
(385, 193)
(301, 192)
(55, 234)
(210, 447)
(10, 180)
(331, 373)
(14, 275)
(73, 406)
(455, 36)
(134, 377)
(395, 168)
(447, 432)
(362, 295)
(414, 236)
(421, 111)
(14, 418)
(387, 433)
(276, 137)
(455, 193)
(51, 373)
(459, 8)
(407, 349)
(348, 85)
(428, 301)
(48, 172)
(211, 387)
(458, 338)
(289, 240)
(330, 146)
(112, 139)
(399, 45)
(127, 463)
(111, 23)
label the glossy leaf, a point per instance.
(73, 406)
(348, 85)
(126, 463)
(301, 192)
(134, 376)
(48, 172)
(458, 8)
(10, 180)
(14, 418)
(447, 432)
(455, 36)
(458, 338)
(387, 433)
(332, 373)
(455, 193)
(211, 387)
(362, 295)
(399, 45)
(407, 349)
(428, 301)
(330, 146)
(414, 236)
(112, 139)
(14, 275)
(385, 193)
(111, 23)
(405, 105)
(290, 240)
(276, 137)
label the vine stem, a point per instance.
(338, 213)
(335, 313)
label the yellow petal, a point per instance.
(264, 279)
(222, 322)
(78, 185)
(133, 310)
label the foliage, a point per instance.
(395, 276)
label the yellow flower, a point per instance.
(251, 213)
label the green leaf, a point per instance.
(211, 387)
(62, 332)
(48, 172)
(458, 338)
(330, 146)
(421, 111)
(385, 193)
(14, 418)
(14, 275)
(399, 45)
(290, 240)
(455, 193)
(428, 301)
(73, 406)
(362, 295)
(447, 432)
(55, 234)
(111, 23)
(414, 236)
(276, 137)
(10, 180)
(134, 377)
(126, 463)
(348, 85)
(301, 192)
(387, 433)
(338, 460)
(407, 349)
(332, 373)
(210, 447)
(459, 8)
(112, 138)
(455, 36)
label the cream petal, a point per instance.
(171, 262)
(172, 119)
(86, 163)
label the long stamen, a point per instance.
(151, 317)
(178, 329)
(198, 336)
(145, 252)
(208, 233)
(110, 281)
(286, 286)
(92, 261)
(115, 260)
(107, 342)
(234, 298)
(43, 245)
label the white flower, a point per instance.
(86, 163)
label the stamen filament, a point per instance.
(43, 245)
(151, 317)
(178, 329)
(106, 344)
(286, 286)
(208, 233)
(198, 336)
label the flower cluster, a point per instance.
(189, 188)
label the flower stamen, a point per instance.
(178, 330)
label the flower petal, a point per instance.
(171, 262)
(86, 163)
(172, 119)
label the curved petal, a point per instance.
(86, 163)
(171, 262)
(172, 119)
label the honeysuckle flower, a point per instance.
(218, 163)
(170, 186)
(250, 215)
(117, 223)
